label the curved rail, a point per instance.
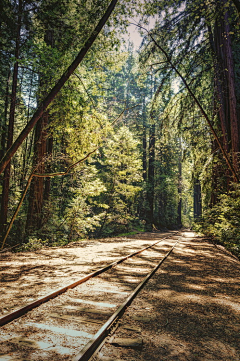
(23, 310)
(104, 331)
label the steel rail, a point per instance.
(88, 351)
(23, 310)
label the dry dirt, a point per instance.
(190, 310)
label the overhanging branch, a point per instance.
(55, 90)
(230, 166)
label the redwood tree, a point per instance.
(6, 176)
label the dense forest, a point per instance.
(100, 138)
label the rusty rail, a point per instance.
(23, 310)
(104, 331)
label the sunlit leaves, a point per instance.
(120, 170)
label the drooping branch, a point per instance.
(55, 90)
(168, 58)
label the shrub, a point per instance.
(222, 222)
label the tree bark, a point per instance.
(6, 177)
(234, 121)
(37, 189)
(151, 174)
(34, 217)
(144, 143)
(221, 96)
(226, 102)
(180, 185)
(197, 199)
(29, 142)
(5, 120)
(55, 90)
(47, 186)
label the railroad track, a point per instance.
(72, 323)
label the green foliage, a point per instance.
(120, 171)
(100, 197)
(166, 178)
(106, 195)
(222, 222)
(77, 212)
(84, 214)
(33, 244)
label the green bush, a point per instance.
(33, 244)
(222, 222)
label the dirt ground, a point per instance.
(26, 276)
(190, 310)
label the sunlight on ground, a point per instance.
(189, 234)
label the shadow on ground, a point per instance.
(191, 306)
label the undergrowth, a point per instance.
(222, 221)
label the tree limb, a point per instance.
(43, 175)
(230, 166)
(55, 90)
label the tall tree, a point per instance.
(6, 177)
(55, 90)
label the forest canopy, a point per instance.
(100, 137)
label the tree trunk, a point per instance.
(221, 96)
(6, 177)
(150, 182)
(197, 199)
(47, 187)
(5, 120)
(28, 142)
(37, 189)
(180, 185)
(151, 159)
(225, 85)
(55, 90)
(221, 105)
(234, 121)
(34, 217)
(144, 144)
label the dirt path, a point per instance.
(190, 310)
(26, 276)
